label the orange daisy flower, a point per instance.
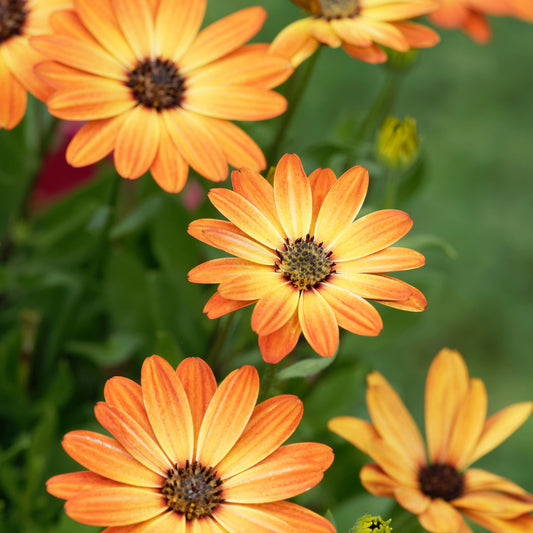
(359, 26)
(19, 19)
(470, 15)
(442, 488)
(156, 91)
(188, 456)
(302, 260)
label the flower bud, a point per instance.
(397, 145)
(371, 524)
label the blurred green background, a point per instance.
(472, 219)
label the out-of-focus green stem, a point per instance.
(267, 382)
(221, 336)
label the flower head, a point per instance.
(302, 260)
(441, 487)
(18, 20)
(156, 90)
(359, 26)
(187, 456)
(471, 15)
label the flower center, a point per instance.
(192, 490)
(304, 262)
(12, 17)
(331, 9)
(157, 83)
(441, 481)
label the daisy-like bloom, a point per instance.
(359, 26)
(188, 457)
(471, 15)
(156, 90)
(441, 488)
(302, 260)
(20, 19)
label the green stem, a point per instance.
(221, 337)
(267, 382)
(392, 182)
(299, 83)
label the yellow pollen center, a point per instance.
(305, 263)
(193, 490)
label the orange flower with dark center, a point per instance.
(471, 15)
(186, 455)
(157, 91)
(441, 488)
(359, 26)
(302, 260)
(18, 20)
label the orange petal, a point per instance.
(232, 517)
(293, 197)
(372, 286)
(246, 217)
(234, 102)
(271, 424)
(371, 233)
(372, 54)
(168, 522)
(126, 395)
(68, 24)
(417, 35)
(238, 147)
(322, 30)
(105, 456)
(218, 306)
(115, 506)
(191, 135)
(289, 471)
(412, 499)
(226, 236)
(274, 309)
(176, 26)
(256, 284)
(12, 97)
(415, 303)
(169, 168)
(341, 205)
(223, 36)
(217, 270)
(320, 180)
(500, 505)
(350, 33)
(477, 27)
(376, 481)
(318, 323)
(476, 479)
(66, 486)
(500, 426)
(136, 22)
(133, 437)
(168, 409)
(398, 10)
(391, 259)
(358, 432)
(94, 141)
(295, 42)
(441, 517)
(383, 33)
(258, 191)
(351, 311)
(300, 518)
(101, 21)
(493, 523)
(278, 344)
(199, 384)
(137, 142)
(393, 421)
(227, 415)
(446, 389)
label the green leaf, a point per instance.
(117, 349)
(138, 218)
(305, 368)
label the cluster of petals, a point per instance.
(471, 15)
(95, 48)
(458, 433)
(361, 27)
(17, 59)
(179, 416)
(263, 218)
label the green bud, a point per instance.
(371, 524)
(397, 145)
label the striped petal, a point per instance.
(270, 425)
(476, 479)
(256, 284)
(493, 523)
(411, 499)
(136, 22)
(300, 518)
(289, 471)
(218, 270)
(105, 456)
(358, 432)
(371, 233)
(372, 286)
(218, 306)
(293, 198)
(13, 97)
(417, 35)
(394, 464)
(415, 303)
(351, 311)
(320, 180)
(350, 33)
(376, 481)
(383, 33)
(318, 323)
(168, 409)
(440, 517)
(295, 42)
(391, 259)
(341, 205)
(67, 486)
(280, 343)
(227, 415)
(235, 518)
(500, 505)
